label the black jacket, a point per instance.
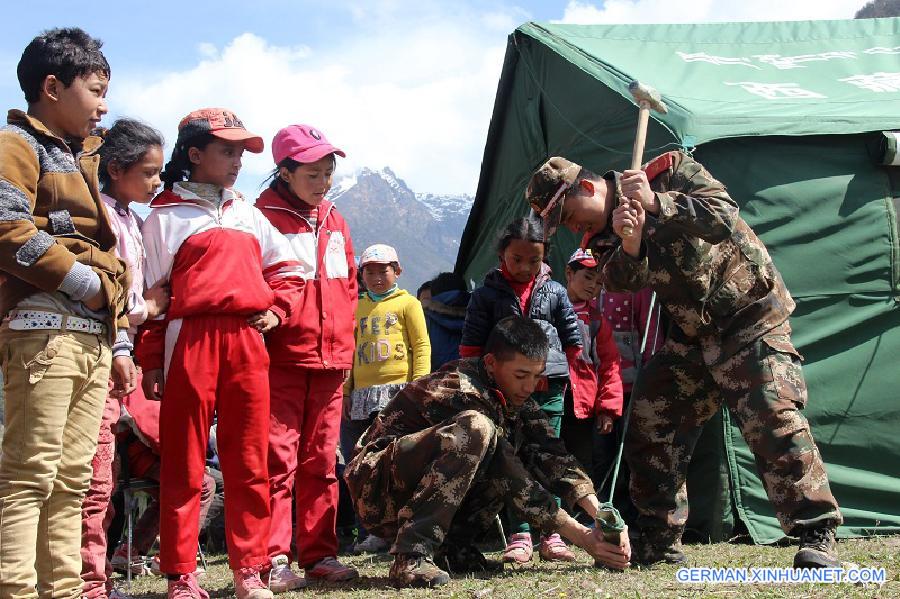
(549, 306)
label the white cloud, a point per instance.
(699, 11)
(409, 85)
(415, 95)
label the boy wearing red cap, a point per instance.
(595, 399)
(310, 355)
(233, 278)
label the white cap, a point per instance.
(378, 254)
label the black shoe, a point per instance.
(464, 559)
(817, 548)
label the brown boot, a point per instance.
(817, 549)
(649, 548)
(414, 570)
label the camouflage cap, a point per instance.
(547, 189)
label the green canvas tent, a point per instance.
(794, 118)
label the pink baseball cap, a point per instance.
(302, 143)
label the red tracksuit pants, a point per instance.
(219, 366)
(97, 511)
(303, 435)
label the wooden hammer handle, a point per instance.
(637, 153)
(640, 136)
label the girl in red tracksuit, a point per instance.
(233, 277)
(310, 356)
(595, 399)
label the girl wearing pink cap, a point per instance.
(311, 355)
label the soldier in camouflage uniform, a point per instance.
(453, 448)
(729, 342)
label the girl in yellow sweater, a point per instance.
(392, 349)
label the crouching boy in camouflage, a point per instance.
(451, 449)
(674, 228)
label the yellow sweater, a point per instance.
(392, 343)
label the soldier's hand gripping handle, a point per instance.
(612, 555)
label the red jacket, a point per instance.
(224, 259)
(319, 333)
(596, 382)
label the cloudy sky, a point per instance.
(405, 83)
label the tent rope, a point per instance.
(627, 418)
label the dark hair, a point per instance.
(447, 281)
(66, 53)
(394, 265)
(274, 179)
(179, 166)
(576, 266)
(125, 143)
(525, 229)
(517, 335)
(426, 286)
(361, 284)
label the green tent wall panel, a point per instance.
(805, 170)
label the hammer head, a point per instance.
(646, 95)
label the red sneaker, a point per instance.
(330, 569)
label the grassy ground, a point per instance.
(580, 580)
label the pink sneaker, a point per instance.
(554, 549)
(330, 569)
(247, 585)
(519, 549)
(186, 587)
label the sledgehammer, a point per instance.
(647, 99)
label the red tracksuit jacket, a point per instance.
(319, 333)
(224, 259)
(597, 383)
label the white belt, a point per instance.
(30, 320)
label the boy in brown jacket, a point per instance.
(62, 299)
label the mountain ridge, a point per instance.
(424, 228)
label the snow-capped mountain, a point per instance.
(424, 228)
(443, 207)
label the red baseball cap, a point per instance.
(583, 257)
(302, 143)
(221, 123)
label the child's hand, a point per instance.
(264, 321)
(96, 302)
(153, 384)
(345, 408)
(604, 424)
(124, 376)
(157, 299)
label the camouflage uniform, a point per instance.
(730, 342)
(447, 454)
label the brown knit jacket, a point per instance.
(51, 216)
